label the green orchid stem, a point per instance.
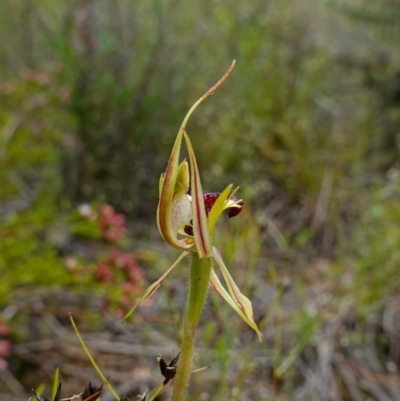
(200, 272)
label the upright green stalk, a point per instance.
(200, 271)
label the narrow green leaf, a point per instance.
(56, 383)
(92, 361)
(157, 392)
(40, 388)
(294, 352)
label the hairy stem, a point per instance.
(200, 271)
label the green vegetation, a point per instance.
(91, 95)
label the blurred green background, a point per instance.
(92, 93)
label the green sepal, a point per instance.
(201, 234)
(234, 297)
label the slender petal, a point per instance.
(218, 208)
(201, 234)
(235, 298)
(153, 288)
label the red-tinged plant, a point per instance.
(5, 328)
(112, 224)
(120, 267)
(5, 352)
(5, 344)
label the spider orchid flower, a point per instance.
(187, 222)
